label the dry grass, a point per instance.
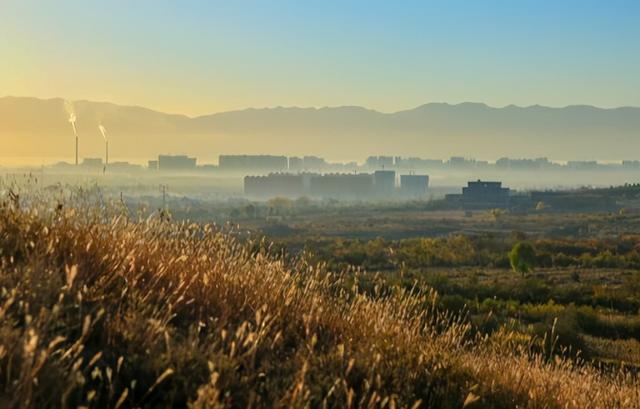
(97, 310)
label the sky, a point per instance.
(197, 57)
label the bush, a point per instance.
(534, 290)
(522, 258)
(454, 303)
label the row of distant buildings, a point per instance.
(381, 184)
(97, 164)
(279, 163)
(264, 164)
(385, 185)
(458, 162)
(272, 163)
(250, 164)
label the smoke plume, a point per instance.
(68, 106)
(103, 131)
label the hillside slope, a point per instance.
(101, 311)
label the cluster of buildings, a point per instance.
(461, 163)
(381, 184)
(382, 178)
(272, 163)
(174, 163)
(257, 164)
(265, 164)
(98, 165)
(483, 195)
(478, 195)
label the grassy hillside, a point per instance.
(101, 309)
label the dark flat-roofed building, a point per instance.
(485, 195)
(482, 195)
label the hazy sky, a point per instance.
(197, 57)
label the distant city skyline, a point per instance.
(200, 57)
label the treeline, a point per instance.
(484, 250)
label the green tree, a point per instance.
(522, 258)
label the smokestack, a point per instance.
(76, 150)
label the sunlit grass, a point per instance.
(101, 308)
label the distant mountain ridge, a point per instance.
(40, 127)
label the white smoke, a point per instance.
(103, 131)
(68, 106)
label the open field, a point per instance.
(103, 309)
(585, 284)
(417, 220)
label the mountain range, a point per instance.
(31, 127)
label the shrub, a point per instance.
(522, 258)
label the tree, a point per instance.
(522, 257)
(279, 206)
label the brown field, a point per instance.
(99, 309)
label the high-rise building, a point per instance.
(385, 182)
(414, 186)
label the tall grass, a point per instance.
(99, 308)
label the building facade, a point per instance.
(414, 186)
